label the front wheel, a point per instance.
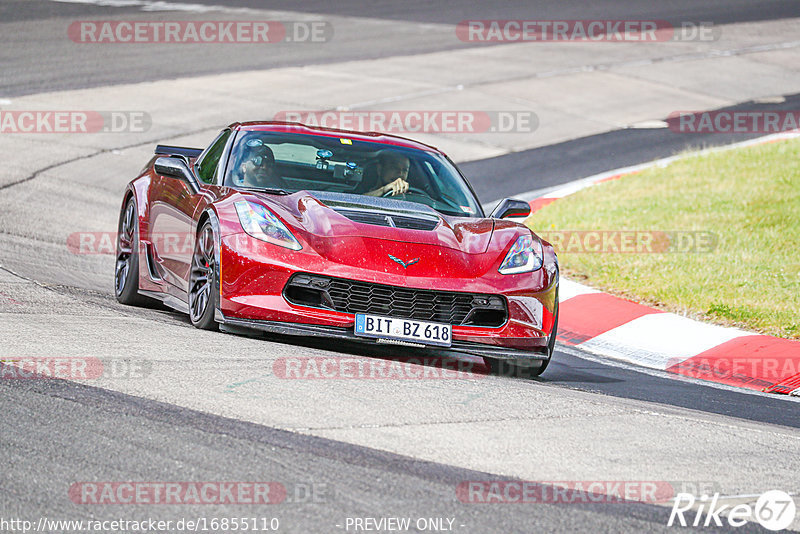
(526, 368)
(203, 290)
(551, 343)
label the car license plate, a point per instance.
(403, 329)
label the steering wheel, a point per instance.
(411, 189)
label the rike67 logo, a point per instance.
(774, 510)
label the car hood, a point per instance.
(333, 216)
(356, 229)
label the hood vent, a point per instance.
(380, 211)
(394, 220)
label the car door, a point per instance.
(172, 209)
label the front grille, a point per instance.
(350, 296)
(393, 219)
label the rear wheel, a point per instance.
(203, 291)
(126, 272)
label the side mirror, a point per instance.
(176, 167)
(511, 207)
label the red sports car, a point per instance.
(290, 229)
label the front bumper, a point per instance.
(252, 296)
(346, 334)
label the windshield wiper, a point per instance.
(270, 190)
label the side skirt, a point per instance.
(169, 300)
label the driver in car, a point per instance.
(258, 167)
(392, 174)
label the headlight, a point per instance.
(262, 224)
(525, 256)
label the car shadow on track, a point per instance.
(463, 364)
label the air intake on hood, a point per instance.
(390, 219)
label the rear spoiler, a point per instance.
(166, 150)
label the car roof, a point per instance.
(296, 127)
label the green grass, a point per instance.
(749, 198)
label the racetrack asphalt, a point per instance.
(212, 412)
(389, 28)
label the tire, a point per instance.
(551, 343)
(526, 368)
(203, 289)
(126, 271)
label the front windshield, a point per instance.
(293, 162)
